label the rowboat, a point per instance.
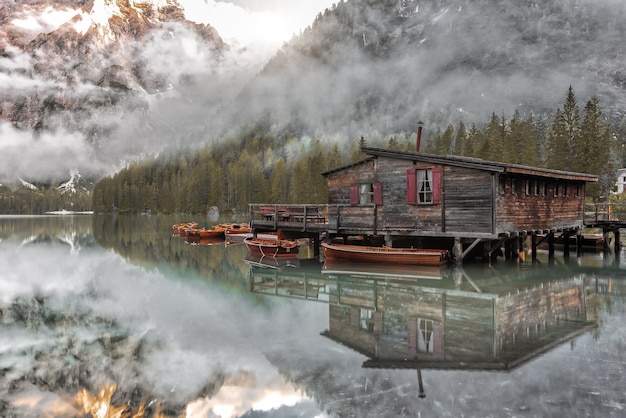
(181, 228)
(272, 247)
(237, 232)
(388, 255)
(195, 234)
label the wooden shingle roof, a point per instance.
(468, 162)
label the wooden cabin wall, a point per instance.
(468, 200)
(473, 201)
(339, 183)
(395, 213)
(522, 211)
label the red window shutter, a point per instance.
(436, 184)
(411, 187)
(354, 194)
(378, 193)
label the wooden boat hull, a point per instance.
(181, 229)
(203, 234)
(403, 256)
(272, 248)
(238, 232)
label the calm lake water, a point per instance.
(115, 317)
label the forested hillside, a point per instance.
(41, 199)
(253, 167)
(261, 167)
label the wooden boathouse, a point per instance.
(469, 206)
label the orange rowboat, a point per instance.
(202, 234)
(388, 255)
(180, 229)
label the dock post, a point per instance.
(533, 243)
(618, 244)
(457, 251)
(316, 246)
(551, 246)
(566, 244)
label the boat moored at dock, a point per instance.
(387, 255)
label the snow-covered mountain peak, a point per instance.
(74, 184)
(27, 184)
(103, 13)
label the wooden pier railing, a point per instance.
(293, 217)
(596, 213)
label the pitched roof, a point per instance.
(468, 162)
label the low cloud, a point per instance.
(44, 156)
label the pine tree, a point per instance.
(444, 142)
(523, 144)
(357, 154)
(393, 144)
(571, 123)
(556, 144)
(593, 150)
(460, 141)
(279, 192)
(474, 141)
(492, 147)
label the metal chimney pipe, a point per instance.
(418, 139)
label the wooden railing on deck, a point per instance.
(605, 212)
(301, 217)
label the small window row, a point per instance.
(536, 187)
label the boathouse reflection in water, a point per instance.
(438, 318)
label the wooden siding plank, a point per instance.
(468, 200)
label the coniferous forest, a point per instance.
(261, 167)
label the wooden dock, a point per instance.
(470, 207)
(610, 217)
(317, 220)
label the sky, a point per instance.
(271, 22)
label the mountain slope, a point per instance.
(112, 76)
(121, 80)
(380, 66)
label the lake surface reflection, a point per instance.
(113, 316)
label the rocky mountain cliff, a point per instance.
(97, 61)
(82, 75)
